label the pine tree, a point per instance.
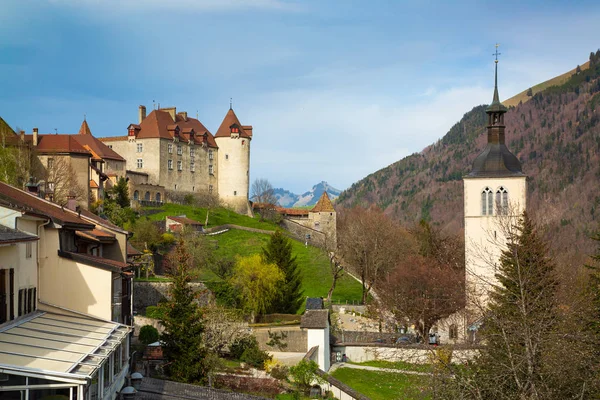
(121, 193)
(183, 344)
(521, 318)
(279, 252)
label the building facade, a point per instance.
(179, 153)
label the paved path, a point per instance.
(368, 368)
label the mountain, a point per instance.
(556, 136)
(285, 198)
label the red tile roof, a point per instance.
(184, 220)
(96, 147)
(27, 202)
(323, 205)
(232, 119)
(94, 260)
(93, 184)
(97, 235)
(132, 251)
(57, 144)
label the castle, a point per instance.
(178, 153)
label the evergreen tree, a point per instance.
(183, 344)
(121, 193)
(520, 321)
(279, 252)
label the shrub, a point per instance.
(255, 357)
(304, 374)
(167, 239)
(276, 369)
(237, 349)
(148, 334)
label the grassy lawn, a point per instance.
(216, 217)
(314, 264)
(384, 385)
(397, 365)
(153, 279)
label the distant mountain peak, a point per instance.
(285, 198)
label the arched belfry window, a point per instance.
(502, 200)
(487, 201)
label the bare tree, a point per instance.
(222, 328)
(262, 192)
(370, 243)
(337, 271)
(61, 181)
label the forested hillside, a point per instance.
(556, 135)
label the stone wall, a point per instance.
(415, 354)
(296, 338)
(299, 232)
(151, 293)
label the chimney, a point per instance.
(22, 136)
(183, 115)
(71, 202)
(35, 137)
(141, 114)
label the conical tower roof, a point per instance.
(323, 205)
(85, 128)
(231, 120)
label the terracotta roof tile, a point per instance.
(96, 147)
(24, 201)
(132, 251)
(184, 220)
(94, 260)
(85, 128)
(93, 184)
(229, 120)
(97, 235)
(323, 205)
(57, 144)
(113, 138)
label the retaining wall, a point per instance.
(296, 340)
(419, 354)
(299, 232)
(151, 293)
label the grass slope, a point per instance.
(216, 217)
(556, 81)
(384, 385)
(313, 262)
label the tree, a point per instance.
(120, 192)
(183, 339)
(530, 92)
(520, 322)
(370, 243)
(304, 374)
(279, 252)
(222, 328)
(257, 282)
(16, 158)
(263, 194)
(61, 181)
(146, 234)
(337, 271)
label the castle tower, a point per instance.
(233, 164)
(494, 196)
(323, 218)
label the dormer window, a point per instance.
(131, 132)
(235, 130)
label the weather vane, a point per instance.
(496, 53)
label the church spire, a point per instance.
(496, 106)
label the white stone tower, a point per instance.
(233, 163)
(494, 195)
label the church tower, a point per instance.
(494, 196)
(233, 162)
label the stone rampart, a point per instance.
(151, 293)
(299, 232)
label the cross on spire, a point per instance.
(496, 53)
(230, 103)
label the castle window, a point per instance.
(192, 154)
(147, 196)
(487, 202)
(243, 141)
(170, 148)
(235, 130)
(50, 163)
(502, 201)
(453, 331)
(227, 156)
(140, 163)
(210, 188)
(28, 250)
(157, 197)
(140, 147)
(179, 150)
(110, 146)
(170, 164)
(210, 169)
(179, 165)
(210, 154)
(235, 192)
(192, 167)
(136, 195)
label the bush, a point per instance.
(148, 334)
(154, 312)
(167, 239)
(255, 357)
(276, 369)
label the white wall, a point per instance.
(320, 338)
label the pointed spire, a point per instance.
(496, 106)
(85, 128)
(231, 103)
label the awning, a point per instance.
(59, 345)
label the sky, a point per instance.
(335, 90)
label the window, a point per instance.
(140, 147)
(192, 152)
(179, 150)
(210, 154)
(27, 301)
(227, 156)
(170, 148)
(28, 249)
(453, 332)
(170, 164)
(110, 146)
(487, 202)
(136, 195)
(179, 165)
(157, 197)
(50, 163)
(502, 201)
(235, 192)
(192, 166)
(210, 169)
(140, 163)
(147, 196)
(7, 295)
(210, 188)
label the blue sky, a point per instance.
(335, 89)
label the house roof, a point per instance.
(160, 124)
(314, 303)
(184, 220)
(97, 235)
(10, 235)
(297, 212)
(93, 184)
(315, 319)
(323, 205)
(96, 147)
(58, 345)
(49, 144)
(90, 216)
(21, 200)
(95, 261)
(159, 389)
(132, 251)
(230, 120)
(5, 128)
